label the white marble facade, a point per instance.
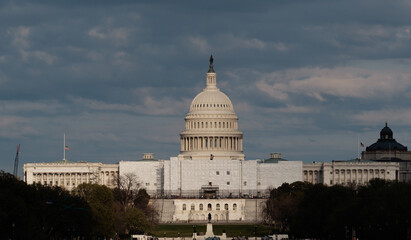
(349, 172)
(69, 175)
(227, 178)
(220, 210)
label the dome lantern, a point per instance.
(386, 132)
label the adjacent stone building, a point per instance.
(68, 175)
(387, 149)
(352, 172)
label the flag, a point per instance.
(211, 156)
(67, 148)
(361, 144)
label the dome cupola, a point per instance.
(386, 132)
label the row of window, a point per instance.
(218, 172)
(360, 171)
(148, 184)
(209, 207)
(206, 124)
(228, 183)
(211, 105)
(349, 171)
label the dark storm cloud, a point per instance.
(305, 77)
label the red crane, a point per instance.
(16, 161)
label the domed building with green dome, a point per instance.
(386, 148)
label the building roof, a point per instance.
(386, 142)
(273, 160)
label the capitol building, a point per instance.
(210, 176)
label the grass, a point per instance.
(186, 230)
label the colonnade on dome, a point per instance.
(216, 124)
(213, 143)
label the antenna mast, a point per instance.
(16, 161)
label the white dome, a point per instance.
(211, 100)
(211, 126)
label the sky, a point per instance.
(309, 79)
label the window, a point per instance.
(147, 184)
(184, 207)
(192, 207)
(245, 183)
(209, 208)
(234, 206)
(228, 183)
(218, 173)
(217, 207)
(201, 206)
(331, 182)
(226, 206)
(258, 183)
(228, 172)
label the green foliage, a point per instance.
(40, 212)
(282, 204)
(380, 210)
(101, 202)
(136, 221)
(132, 212)
(142, 198)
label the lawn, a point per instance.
(186, 230)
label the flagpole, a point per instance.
(358, 147)
(64, 147)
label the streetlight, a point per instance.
(164, 235)
(255, 232)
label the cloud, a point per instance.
(15, 127)
(38, 55)
(20, 36)
(198, 44)
(277, 90)
(231, 41)
(346, 82)
(400, 116)
(22, 107)
(150, 106)
(117, 36)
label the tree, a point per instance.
(128, 187)
(136, 221)
(40, 212)
(281, 206)
(132, 210)
(101, 202)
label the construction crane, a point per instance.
(16, 161)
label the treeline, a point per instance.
(90, 211)
(379, 210)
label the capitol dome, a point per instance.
(211, 100)
(211, 129)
